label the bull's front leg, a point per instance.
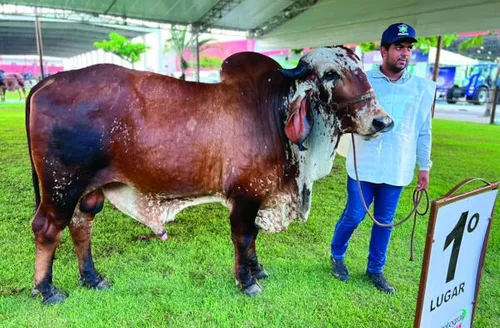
(255, 267)
(243, 234)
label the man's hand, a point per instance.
(423, 180)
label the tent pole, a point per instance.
(197, 57)
(39, 44)
(435, 72)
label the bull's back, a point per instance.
(80, 102)
(151, 129)
(185, 135)
(69, 114)
(155, 132)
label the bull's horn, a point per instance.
(296, 73)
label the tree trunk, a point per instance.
(184, 66)
(492, 96)
(489, 103)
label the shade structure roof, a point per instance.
(61, 38)
(286, 23)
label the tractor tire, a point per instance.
(482, 96)
(449, 96)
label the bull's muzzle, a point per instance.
(382, 124)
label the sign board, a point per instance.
(457, 238)
(446, 77)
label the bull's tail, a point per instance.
(34, 175)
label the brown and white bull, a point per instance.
(153, 145)
(12, 82)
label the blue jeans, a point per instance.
(386, 198)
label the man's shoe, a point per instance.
(381, 283)
(339, 270)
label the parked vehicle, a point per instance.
(476, 86)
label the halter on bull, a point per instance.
(154, 145)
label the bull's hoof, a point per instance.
(253, 290)
(103, 284)
(35, 292)
(51, 297)
(57, 297)
(95, 283)
(260, 274)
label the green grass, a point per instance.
(188, 280)
(13, 96)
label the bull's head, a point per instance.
(330, 85)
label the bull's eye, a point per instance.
(331, 76)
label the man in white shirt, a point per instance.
(386, 164)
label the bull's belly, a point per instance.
(155, 209)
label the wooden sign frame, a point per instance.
(436, 204)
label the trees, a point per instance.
(210, 62)
(181, 41)
(425, 43)
(471, 43)
(122, 47)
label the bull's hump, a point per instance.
(246, 65)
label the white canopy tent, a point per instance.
(352, 21)
(297, 23)
(448, 58)
(291, 23)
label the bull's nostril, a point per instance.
(379, 123)
(382, 124)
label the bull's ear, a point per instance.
(300, 120)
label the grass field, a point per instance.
(188, 280)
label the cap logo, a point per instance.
(403, 29)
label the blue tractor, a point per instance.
(477, 85)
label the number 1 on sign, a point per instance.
(455, 236)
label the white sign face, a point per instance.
(459, 234)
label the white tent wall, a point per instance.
(154, 60)
(149, 61)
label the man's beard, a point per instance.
(396, 69)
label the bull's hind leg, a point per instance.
(48, 231)
(243, 234)
(81, 233)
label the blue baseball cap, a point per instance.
(398, 32)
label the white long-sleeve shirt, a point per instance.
(391, 157)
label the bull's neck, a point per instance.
(316, 162)
(272, 103)
(274, 98)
